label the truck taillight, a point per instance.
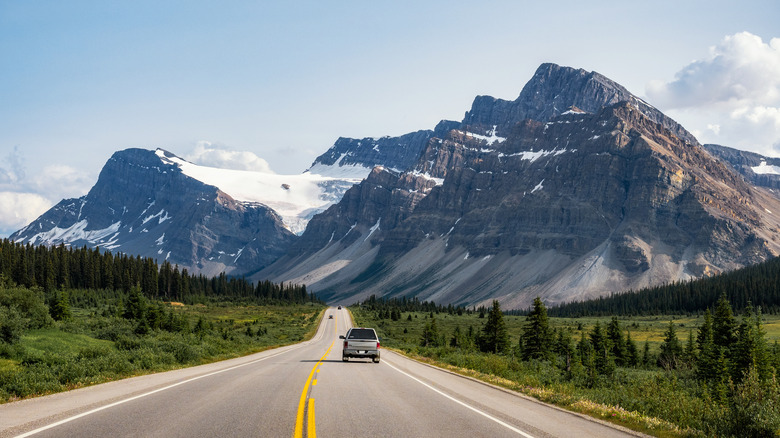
(377, 345)
(345, 344)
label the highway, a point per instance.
(294, 391)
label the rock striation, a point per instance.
(575, 190)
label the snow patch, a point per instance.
(490, 138)
(372, 229)
(538, 186)
(426, 175)
(161, 216)
(78, 231)
(535, 155)
(766, 169)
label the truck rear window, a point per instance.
(361, 334)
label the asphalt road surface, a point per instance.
(299, 390)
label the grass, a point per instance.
(58, 342)
(652, 401)
(93, 348)
(642, 328)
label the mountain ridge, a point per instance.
(575, 189)
(426, 233)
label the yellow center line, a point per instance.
(310, 432)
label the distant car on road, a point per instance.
(339, 307)
(330, 316)
(360, 342)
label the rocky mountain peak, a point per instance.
(554, 90)
(579, 205)
(144, 204)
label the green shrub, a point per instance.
(753, 409)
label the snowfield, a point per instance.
(296, 198)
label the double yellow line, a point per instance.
(311, 430)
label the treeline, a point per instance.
(758, 284)
(392, 307)
(62, 268)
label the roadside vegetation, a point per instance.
(89, 330)
(709, 373)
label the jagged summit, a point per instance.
(582, 204)
(553, 90)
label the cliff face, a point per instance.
(143, 205)
(534, 197)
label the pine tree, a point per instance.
(671, 349)
(457, 338)
(430, 334)
(707, 360)
(602, 350)
(632, 353)
(537, 340)
(689, 353)
(135, 308)
(565, 349)
(494, 337)
(750, 347)
(723, 324)
(646, 354)
(60, 308)
(615, 336)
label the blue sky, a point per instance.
(279, 82)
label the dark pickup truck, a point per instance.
(360, 342)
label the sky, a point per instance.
(270, 85)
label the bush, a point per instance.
(12, 325)
(21, 309)
(753, 410)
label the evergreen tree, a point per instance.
(60, 307)
(494, 337)
(135, 307)
(565, 349)
(632, 353)
(707, 360)
(671, 349)
(723, 324)
(750, 347)
(615, 336)
(602, 350)
(689, 353)
(430, 334)
(537, 340)
(457, 338)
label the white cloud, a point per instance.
(209, 154)
(732, 97)
(25, 195)
(59, 181)
(741, 69)
(19, 209)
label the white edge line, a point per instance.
(484, 414)
(84, 414)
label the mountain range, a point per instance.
(574, 190)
